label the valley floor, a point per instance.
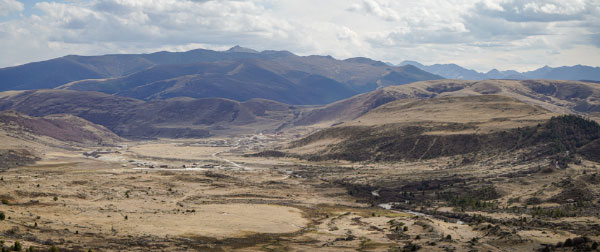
(206, 195)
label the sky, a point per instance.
(478, 34)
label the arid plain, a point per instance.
(464, 171)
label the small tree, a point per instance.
(2, 216)
(55, 198)
(17, 246)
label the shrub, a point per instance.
(449, 237)
(5, 201)
(2, 216)
(17, 246)
(55, 198)
(580, 240)
(568, 242)
(533, 201)
(53, 249)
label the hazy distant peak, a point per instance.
(240, 49)
(453, 71)
(412, 67)
(321, 57)
(411, 62)
(277, 53)
(493, 71)
(363, 60)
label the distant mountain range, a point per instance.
(238, 73)
(453, 71)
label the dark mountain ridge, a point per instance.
(238, 80)
(55, 72)
(238, 73)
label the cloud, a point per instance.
(488, 22)
(535, 11)
(377, 8)
(159, 22)
(8, 7)
(473, 32)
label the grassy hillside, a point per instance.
(563, 97)
(415, 129)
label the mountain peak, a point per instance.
(240, 49)
(411, 62)
(493, 71)
(363, 60)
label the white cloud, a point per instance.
(378, 8)
(481, 34)
(535, 10)
(8, 7)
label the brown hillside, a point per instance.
(416, 129)
(65, 128)
(563, 97)
(171, 118)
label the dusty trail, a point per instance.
(216, 155)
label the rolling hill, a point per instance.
(171, 118)
(198, 117)
(562, 97)
(484, 125)
(25, 139)
(60, 127)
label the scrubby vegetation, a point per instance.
(561, 137)
(477, 199)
